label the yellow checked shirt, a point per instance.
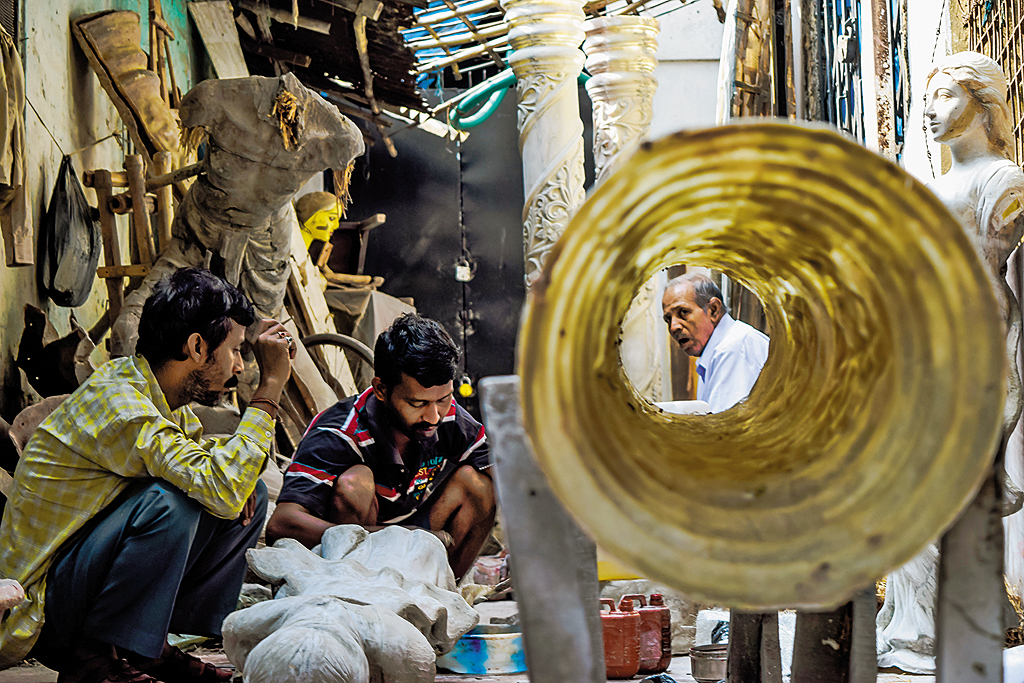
(115, 428)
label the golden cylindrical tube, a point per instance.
(874, 419)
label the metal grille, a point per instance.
(843, 96)
(900, 89)
(9, 17)
(996, 29)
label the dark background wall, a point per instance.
(450, 203)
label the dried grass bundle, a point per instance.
(342, 180)
(286, 109)
(190, 139)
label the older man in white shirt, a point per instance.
(731, 353)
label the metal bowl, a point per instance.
(708, 663)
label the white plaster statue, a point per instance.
(965, 109)
(360, 607)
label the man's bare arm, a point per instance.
(291, 520)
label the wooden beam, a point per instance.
(821, 646)
(285, 17)
(362, 47)
(130, 270)
(111, 247)
(279, 54)
(122, 203)
(164, 201)
(370, 9)
(172, 177)
(136, 170)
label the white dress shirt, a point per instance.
(730, 363)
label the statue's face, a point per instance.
(949, 109)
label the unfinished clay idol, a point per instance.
(266, 138)
(366, 607)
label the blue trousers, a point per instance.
(153, 562)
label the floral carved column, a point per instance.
(545, 36)
(620, 58)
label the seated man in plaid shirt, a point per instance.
(124, 523)
(402, 452)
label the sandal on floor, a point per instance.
(179, 667)
(102, 665)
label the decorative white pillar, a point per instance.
(620, 56)
(545, 36)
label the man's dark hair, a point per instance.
(186, 301)
(420, 348)
(704, 289)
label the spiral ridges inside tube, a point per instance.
(878, 411)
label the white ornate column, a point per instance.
(545, 36)
(620, 56)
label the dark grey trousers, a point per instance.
(154, 561)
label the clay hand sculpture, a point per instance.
(11, 595)
(966, 110)
(359, 607)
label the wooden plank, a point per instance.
(130, 270)
(744, 647)
(306, 286)
(362, 49)
(969, 615)
(771, 650)
(216, 24)
(821, 646)
(864, 650)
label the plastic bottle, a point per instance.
(655, 633)
(621, 639)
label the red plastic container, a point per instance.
(655, 633)
(621, 639)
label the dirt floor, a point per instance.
(679, 671)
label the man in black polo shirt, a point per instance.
(402, 452)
